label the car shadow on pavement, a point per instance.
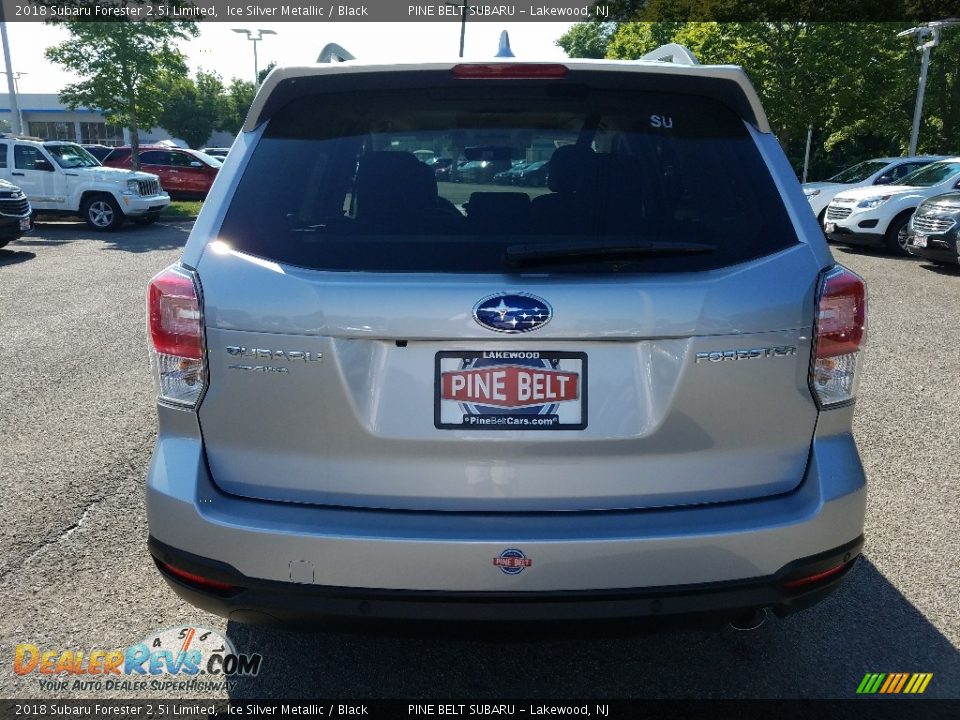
(128, 238)
(873, 252)
(12, 256)
(950, 270)
(865, 626)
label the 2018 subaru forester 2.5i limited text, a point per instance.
(627, 393)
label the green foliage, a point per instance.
(122, 65)
(239, 97)
(586, 40)
(193, 109)
(855, 83)
(262, 75)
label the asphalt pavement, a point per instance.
(77, 427)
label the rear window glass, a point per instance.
(335, 182)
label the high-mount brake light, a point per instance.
(509, 71)
(839, 337)
(175, 322)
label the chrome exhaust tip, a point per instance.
(751, 620)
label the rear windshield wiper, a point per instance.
(575, 251)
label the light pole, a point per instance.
(15, 124)
(929, 37)
(464, 9)
(254, 36)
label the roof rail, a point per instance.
(671, 52)
(334, 53)
(15, 136)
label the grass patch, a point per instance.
(182, 209)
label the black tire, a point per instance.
(102, 213)
(145, 219)
(896, 237)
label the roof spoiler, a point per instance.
(671, 52)
(334, 53)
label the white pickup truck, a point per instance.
(61, 178)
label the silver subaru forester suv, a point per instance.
(388, 389)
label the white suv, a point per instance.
(61, 178)
(879, 215)
(879, 171)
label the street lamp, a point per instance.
(928, 37)
(254, 36)
(16, 124)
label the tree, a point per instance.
(262, 75)
(238, 99)
(193, 109)
(586, 40)
(123, 65)
(854, 83)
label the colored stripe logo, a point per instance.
(894, 683)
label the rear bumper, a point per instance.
(289, 559)
(255, 601)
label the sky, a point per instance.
(230, 54)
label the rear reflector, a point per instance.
(819, 577)
(510, 71)
(194, 579)
(839, 338)
(175, 321)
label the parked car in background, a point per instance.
(509, 177)
(15, 213)
(879, 216)
(216, 152)
(98, 151)
(879, 171)
(481, 171)
(61, 178)
(533, 175)
(440, 166)
(934, 232)
(630, 394)
(184, 173)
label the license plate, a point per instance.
(510, 390)
(830, 227)
(25, 223)
(920, 241)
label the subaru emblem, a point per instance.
(512, 312)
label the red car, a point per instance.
(183, 173)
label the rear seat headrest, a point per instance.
(570, 166)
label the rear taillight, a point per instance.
(839, 337)
(175, 321)
(510, 71)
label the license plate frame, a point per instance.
(830, 227)
(919, 241)
(567, 410)
(25, 223)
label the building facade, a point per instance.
(45, 117)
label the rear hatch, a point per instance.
(635, 334)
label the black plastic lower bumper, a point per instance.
(941, 252)
(857, 238)
(255, 601)
(10, 228)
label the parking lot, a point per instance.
(77, 427)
